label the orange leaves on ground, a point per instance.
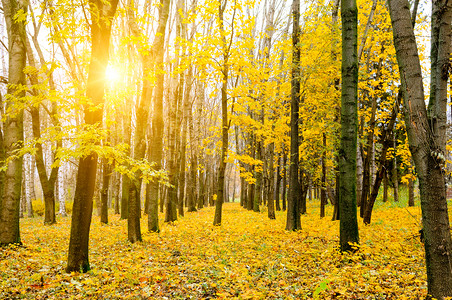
(248, 257)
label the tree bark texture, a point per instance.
(323, 186)
(293, 221)
(102, 16)
(11, 179)
(349, 123)
(278, 183)
(271, 172)
(426, 139)
(106, 175)
(156, 145)
(224, 120)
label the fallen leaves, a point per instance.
(248, 257)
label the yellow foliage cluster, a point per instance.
(248, 257)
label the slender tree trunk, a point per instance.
(303, 190)
(106, 174)
(156, 145)
(116, 192)
(410, 192)
(171, 201)
(349, 119)
(293, 204)
(359, 174)
(252, 188)
(125, 182)
(323, 186)
(369, 150)
(284, 183)
(63, 192)
(193, 173)
(386, 139)
(102, 16)
(47, 183)
(199, 155)
(258, 176)
(271, 200)
(125, 197)
(385, 187)
(31, 188)
(395, 176)
(184, 175)
(224, 117)
(278, 183)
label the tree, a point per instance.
(225, 48)
(293, 205)
(101, 22)
(156, 145)
(15, 13)
(349, 121)
(426, 133)
(47, 181)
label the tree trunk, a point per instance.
(359, 174)
(106, 174)
(156, 145)
(386, 140)
(47, 183)
(31, 188)
(11, 179)
(385, 187)
(323, 186)
(127, 132)
(258, 176)
(349, 119)
(252, 189)
(184, 175)
(278, 183)
(224, 118)
(426, 148)
(171, 201)
(303, 190)
(271, 200)
(86, 175)
(116, 192)
(293, 204)
(125, 197)
(395, 176)
(369, 150)
(410, 192)
(193, 173)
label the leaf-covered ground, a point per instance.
(248, 257)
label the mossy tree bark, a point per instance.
(349, 122)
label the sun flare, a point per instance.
(112, 74)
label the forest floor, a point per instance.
(248, 257)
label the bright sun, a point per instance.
(112, 74)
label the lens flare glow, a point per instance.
(112, 74)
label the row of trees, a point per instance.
(165, 104)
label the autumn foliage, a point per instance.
(248, 257)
